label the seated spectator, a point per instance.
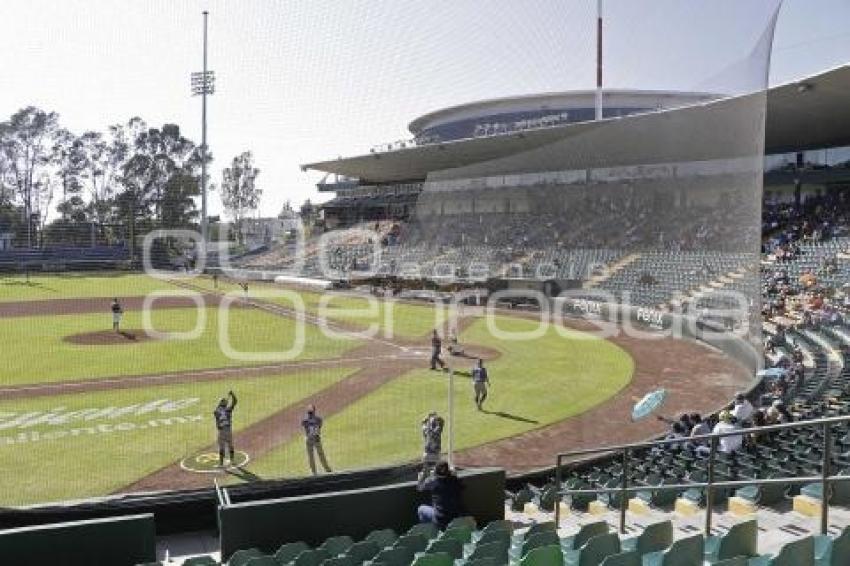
(446, 503)
(728, 444)
(700, 427)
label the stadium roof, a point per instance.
(806, 114)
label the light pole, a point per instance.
(598, 113)
(203, 83)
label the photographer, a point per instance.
(446, 503)
(432, 431)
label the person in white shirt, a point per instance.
(743, 409)
(728, 444)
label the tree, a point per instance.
(239, 191)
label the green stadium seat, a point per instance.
(311, 557)
(683, 552)
(538, 528)
(545, 538)
(741, 540)
(342, 561)
(427, 530)
(833, 552)
(496, 550)
(655, 537)
(200, 561)
(362, 551)
(544, 556)
(494, 536)
(461, 533)
(737, 561)
(262, 561)
(436, 559)
(241, 557)
(498, 525)
(289, 551)
(337, 545)
(396, 556)
(797, 553)
(465, 521)
(416, 543)
(451, 546)
(585, 533)
(383, 537)
(630, 558)
(594, 551)
(484, 561)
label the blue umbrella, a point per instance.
(649, 404)
(772, 373)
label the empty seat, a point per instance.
(585, 533)
(435, 559)
(683, 552)
(833, 552)
(741, 540)
(594, 551)
(654, 538)
(382, 537)
(335, 546)
(543, 556)
(797, 553)
(362, 551)
(241, 557)
(289, 551)
(630, 558)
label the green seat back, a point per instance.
(655, 537)
(685, 552)
(494, 536)
(395, 556)
(200, 561)
(383, 537)
(311, 557)
(587, 532)
(797, 553)
(741, 540)
(622, 559)
(598, 548)
(498, 525)
(539, 528)
(262, 561)
(736, 561)
(498, 550)
(484, 561)
(417, 543)
(461, 533)
(544, 556)
(544, 538)
(341, 561)
(427, 530)
(362, 551)
(337, 545)
(289, 551)
(436, 559)
(465, 521)
(241, 557)
(840, 553)
(451, 546)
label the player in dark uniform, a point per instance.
(223, 415)
(436, 347)
(312, 424)
(480, 382)
(432, 432)
(117, 311)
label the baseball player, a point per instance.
(436, 347)
(223, 415)
(117, 311)
(244, 285)
(432, 431)
(480, 383)
(312, 424)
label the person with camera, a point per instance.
(446, 502)
(432, 432)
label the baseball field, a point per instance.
(86, 411)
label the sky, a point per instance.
(308, 80)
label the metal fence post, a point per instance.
(825, 472)
(558, 492)
(624, 496)
(709, 490)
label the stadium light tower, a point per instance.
(598, 59)
(203, 84)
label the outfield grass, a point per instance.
(15, 288)
(393, 318)
(87, 464)
(36, 352)
(534, 384)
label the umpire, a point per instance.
(312, 424)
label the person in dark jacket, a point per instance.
(446, 503)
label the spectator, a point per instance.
(742, 410)
(728, 444)
(446, 503)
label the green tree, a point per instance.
(239, 192)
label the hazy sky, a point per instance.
(305, 80)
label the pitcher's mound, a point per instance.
(109, 337)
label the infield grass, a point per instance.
(534, 383)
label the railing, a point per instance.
(625, 489)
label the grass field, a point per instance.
(38, 352)
(42, 287)
(535, 384)
(96, 463)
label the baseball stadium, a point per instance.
(600, 327)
